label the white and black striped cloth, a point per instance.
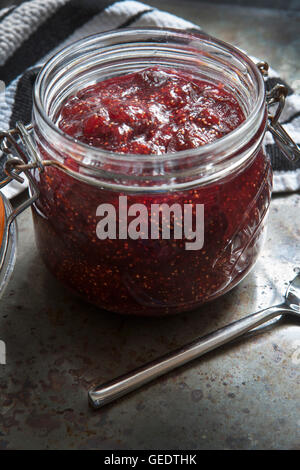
(33, 31)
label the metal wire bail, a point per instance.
(13, 166)
(284, 141)
(277, 96)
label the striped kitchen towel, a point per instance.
(35, 30)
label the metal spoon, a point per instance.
(110, 391)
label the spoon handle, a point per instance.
(110, 391)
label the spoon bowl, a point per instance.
(292, 296)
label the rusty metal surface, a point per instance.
(270, 34)
(243, 396)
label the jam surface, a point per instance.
(153, 111)
(153, 276)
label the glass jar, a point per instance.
(8, 242)
(230, 177)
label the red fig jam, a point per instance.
(155, 111)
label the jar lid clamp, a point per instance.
(277, 96)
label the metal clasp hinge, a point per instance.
(277, 96)
(284, 141)
(13, 166)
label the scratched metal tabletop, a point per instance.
(243, 396)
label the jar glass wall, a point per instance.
(230, 177)
(8, 243)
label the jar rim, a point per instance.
(224, 141)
